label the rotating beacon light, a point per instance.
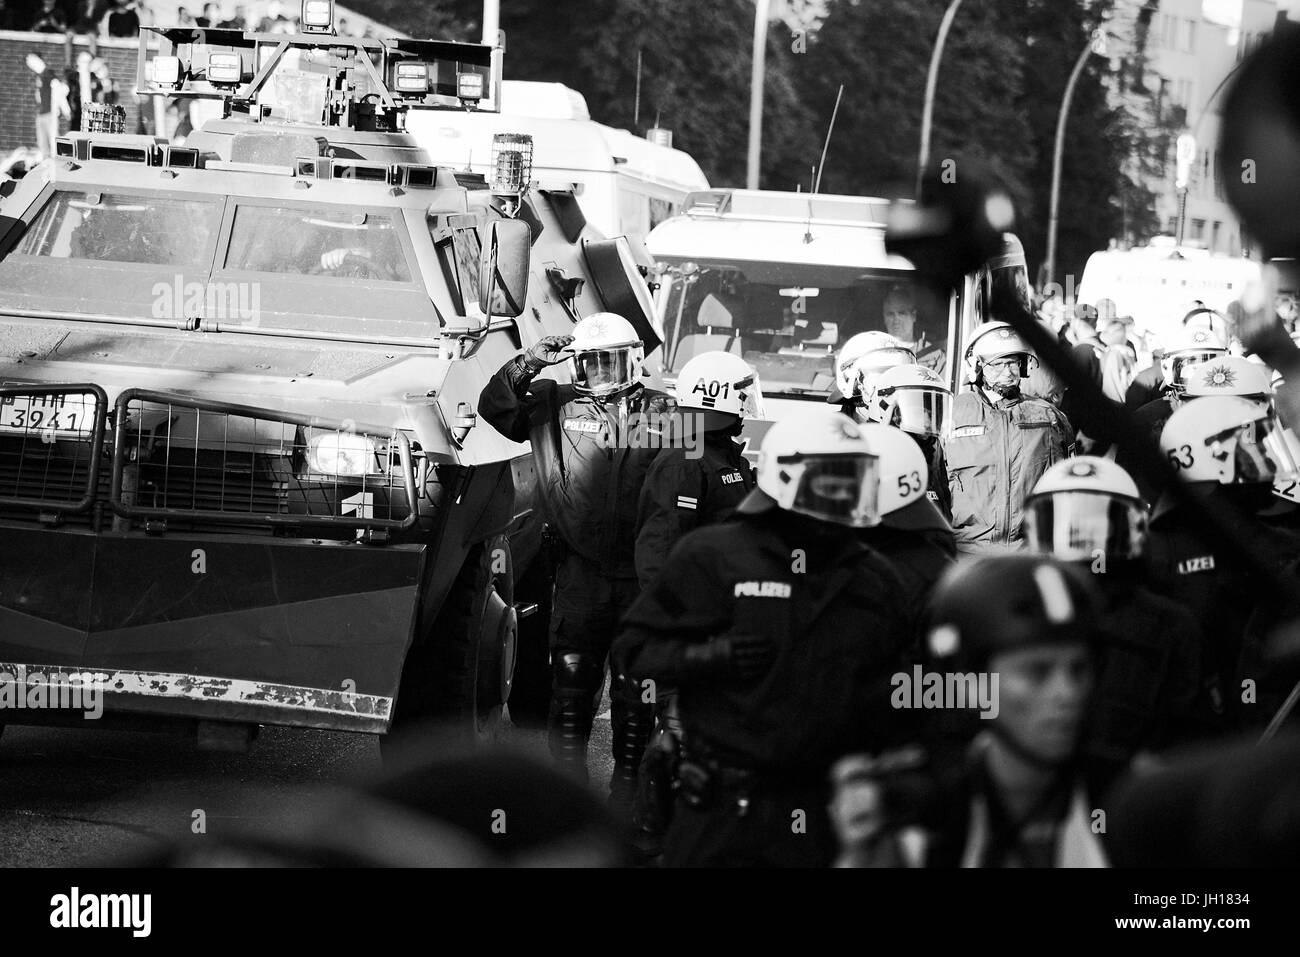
(512, 163)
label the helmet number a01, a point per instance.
(713, 388)
(1181, 458)
(909, 484)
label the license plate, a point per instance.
(49, 415)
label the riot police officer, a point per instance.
(593, 442)
(703, 475)
(914, 399)
(1087, 511)
(859, 360)
(1020, 796)
(1229, 450)
(912, 533)
(1000, 441)
(781, 630)
(698, 480)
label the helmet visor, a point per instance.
(876, 362)
(750, 391)
(602, 371)
(919, 411)
(1082, 526)
(1260, 453)
(1181, 365)
(839, 488)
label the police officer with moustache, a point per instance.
(1228, 450)
(1020, 795)
(1087, 511)
(592, 445)
(1000, 442)
(781, 629)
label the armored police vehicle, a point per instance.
(241, 478)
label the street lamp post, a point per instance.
(756, 93)
(1096, 44)
(931, 81)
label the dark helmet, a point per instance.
(1001, 603)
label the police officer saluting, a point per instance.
(592, 444)
(781, 630)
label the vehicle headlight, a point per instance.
(343, 454)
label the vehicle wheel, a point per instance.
(459, 670)
(530, 698)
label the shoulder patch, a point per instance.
(687, 502)
(582, 425)
(967, 431)
(731, 477)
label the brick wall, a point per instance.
(17, 98)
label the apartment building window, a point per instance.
(1189, 36)
(1214, 236)
(1198, 229)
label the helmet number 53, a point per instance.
(909, 484)
(1181, 457)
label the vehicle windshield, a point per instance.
(317, 242)
(108, 227)
(788, 320)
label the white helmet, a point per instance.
(864, 354)
(1189, 346)
(912, 398)
(997, 340)
(607, 354)
(1226, 375)
(719, 382)
(818, 463)
(1084, 508)
(1228, 440)
(904, 472)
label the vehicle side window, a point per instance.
(342, 244)
(115, 227)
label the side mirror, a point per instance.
(503, 268)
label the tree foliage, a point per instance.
(1002, 77)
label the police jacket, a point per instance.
(995, 457)
(1221, 593)
(918, 541)
(591, 456)
(684, 490)
(834, 612)
(1150, 670)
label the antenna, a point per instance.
(636, 108)
(817, 183)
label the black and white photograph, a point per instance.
(650, 435)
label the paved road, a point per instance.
(76, 798)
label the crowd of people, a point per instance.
(785, 643)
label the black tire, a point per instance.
(447, 676)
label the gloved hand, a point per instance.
(746, 656)
(547, 352)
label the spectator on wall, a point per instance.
(51, 19)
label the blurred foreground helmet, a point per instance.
(904, 472)
(607, 354)
(1227, 375)
(986, 606)
(1227, 440)
(912, 398)
(1084, 508)
(719, 382)
(1189, 346)
(865, 354)
(996, 340)
(819, 464)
